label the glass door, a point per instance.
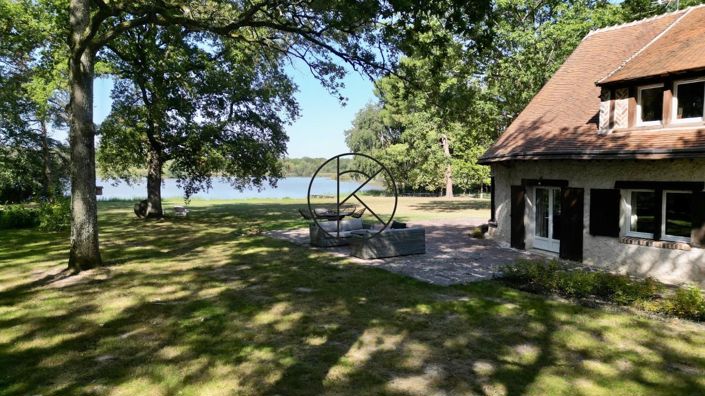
(547, 219)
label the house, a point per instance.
(606, 165)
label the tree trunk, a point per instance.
(449, 169)
(48, 188)
(154, 185)
(85, 251)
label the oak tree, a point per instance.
(206, 110)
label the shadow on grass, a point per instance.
(222, 310)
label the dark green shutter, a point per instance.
(517, 217)
(604, 212)
(492, 199)
(698, 233)
(572, 204)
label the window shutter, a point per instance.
(698, 233)
(605, 110)
(604, 212)
(621, 108)
(572, 224)
(517, 226)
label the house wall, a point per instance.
(666, 265)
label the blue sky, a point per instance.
(319, 131)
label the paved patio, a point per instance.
(452, 255)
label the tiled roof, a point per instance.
(561, 120)
(679, 48)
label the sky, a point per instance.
(318, 132)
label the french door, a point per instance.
(547, 232)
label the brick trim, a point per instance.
(655, 244)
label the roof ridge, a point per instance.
(649, 19)
(685, 11)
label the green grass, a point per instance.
(207, 305)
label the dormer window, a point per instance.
(688, 103)
(649, 108)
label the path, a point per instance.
(452, 256)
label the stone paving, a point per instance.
(452, 255)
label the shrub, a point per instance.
(554, 277)
(686, 302)
(539, 276)
(55, 216)
(623, 290)
(577, 284)
(18, 216)
(477, 233)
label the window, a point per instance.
(548, 219)
(688, 103)
(642, 214)
(649, 107)
(676, 216)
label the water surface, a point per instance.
(290, 187)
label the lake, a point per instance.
(290, 187)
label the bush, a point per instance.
(578, 284)
(55, 216)
(477, 233)
(18, 216)
(538, 276)
(553, 277)
(686, 302)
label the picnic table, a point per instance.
(332, 214)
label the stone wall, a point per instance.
(667, 265)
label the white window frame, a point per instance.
(629, 232)
(548, 244)
(664, 236)
(674, 100)
(639, 122)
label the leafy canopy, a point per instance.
(208, 107)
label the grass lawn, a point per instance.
(206, 305)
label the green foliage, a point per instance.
(55, 216)
(32, 101)
(47, 216)
(18, 216)
(307, 166)
(210, 112)
(418, 108)
(369, 132)
(554, 277)
(534, 275)
(531, 40)
(477, 233)
(687, 302)
(22, 171)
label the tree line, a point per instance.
(201, 87)
(307, 166)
